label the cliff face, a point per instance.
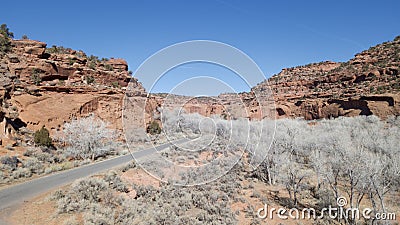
(368, 84)
(50, 86)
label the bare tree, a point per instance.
(293, 177)
(353, 157)
(87, 137)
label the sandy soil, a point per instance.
(37, 211)
(41, 210)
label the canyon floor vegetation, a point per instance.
(309, 165)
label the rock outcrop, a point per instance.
(50, 86)
(368, 84)
(42, 86)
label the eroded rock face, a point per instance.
(49, 87)
(29, 48)
(368, 84)
(53, 109)
(119, 64)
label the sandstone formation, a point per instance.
(368, 84)
(50, 86)
(42, 86)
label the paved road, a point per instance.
(16, 194)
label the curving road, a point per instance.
(19, 193)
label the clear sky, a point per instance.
(275, 34)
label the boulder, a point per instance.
(119, 64)
(31, 47)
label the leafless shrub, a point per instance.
(44, 156)
(2, 177)
(34, 165)
(136, 136)
(97, 199)
(115, 182)
(128, 166)
(21, 173)
(10, 162)
(99, 214)
(57, 195)
(81, 194)
(354, 157)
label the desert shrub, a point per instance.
(88, 189)
(60, 166)
(4, 30)
(21, 173)
(52, 50)
(58, 50)
(108, 67)
(140, 136)
(169, 204)
(335, 153)
(71, 61)
(99, 214)
(48, 170)
(35, 76)
(2, 177)
(11, 162)
(68, 205)
(24, 37)
(43, 155)
(210, 202)
(42, 137)
(92, 65)
(115, 84)
(9, 147)
(34, 165)
(48, 157)
(81, 194)
(115, 182)
(5, 45)
(89, 79)
(5, 36)
(128, 166)
(154, 128)
(93, 58)
(57, 195)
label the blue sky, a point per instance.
(275, 34)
